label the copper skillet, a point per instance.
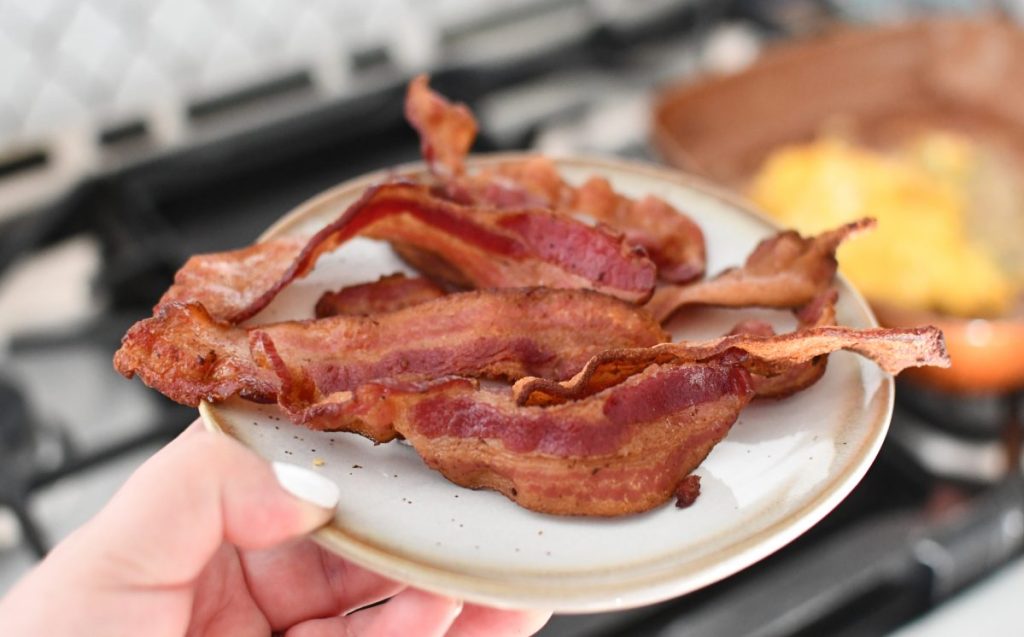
(881, 84)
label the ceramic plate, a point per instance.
(783, 466)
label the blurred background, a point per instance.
(134, 133)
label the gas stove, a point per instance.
(942, 507)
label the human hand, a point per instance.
(208, 539)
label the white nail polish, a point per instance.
(307, 485)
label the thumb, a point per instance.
(203, 489)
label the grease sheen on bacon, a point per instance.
(490, 248)
(189, 356)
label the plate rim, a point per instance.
(718, 564)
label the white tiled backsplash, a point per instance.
(66, 62)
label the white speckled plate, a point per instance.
(782, 468)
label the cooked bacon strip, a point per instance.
(432, 266)
(783, 382)
(818, 313)
(224, 282)
(491, 248)
(494, 334)
(188, 356)
(446, 130)
(386, 294)
(628, 447)
(622, 451)
(674, 242)
(530, 182)
(514, 248)
(688, 491)
(783, 271)
(618, 438)
(892, 349)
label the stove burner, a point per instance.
(972, 439)
(975, 417)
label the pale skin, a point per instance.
(203, 540)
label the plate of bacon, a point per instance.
(576, 415)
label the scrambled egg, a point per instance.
(919, 256)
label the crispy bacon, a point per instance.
(386, 294)
(892, 349)
(605, 417)
(433, 266)
(818, 313)
(491, 248)
(227, 282)
(618, 438)
(783, 271)
(655, 426)
(622, 451)
(597, 450)
(189, 356)
(674, 242)
(533, 181)
(688, 491)
(446, 130)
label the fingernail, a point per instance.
(307, 485)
